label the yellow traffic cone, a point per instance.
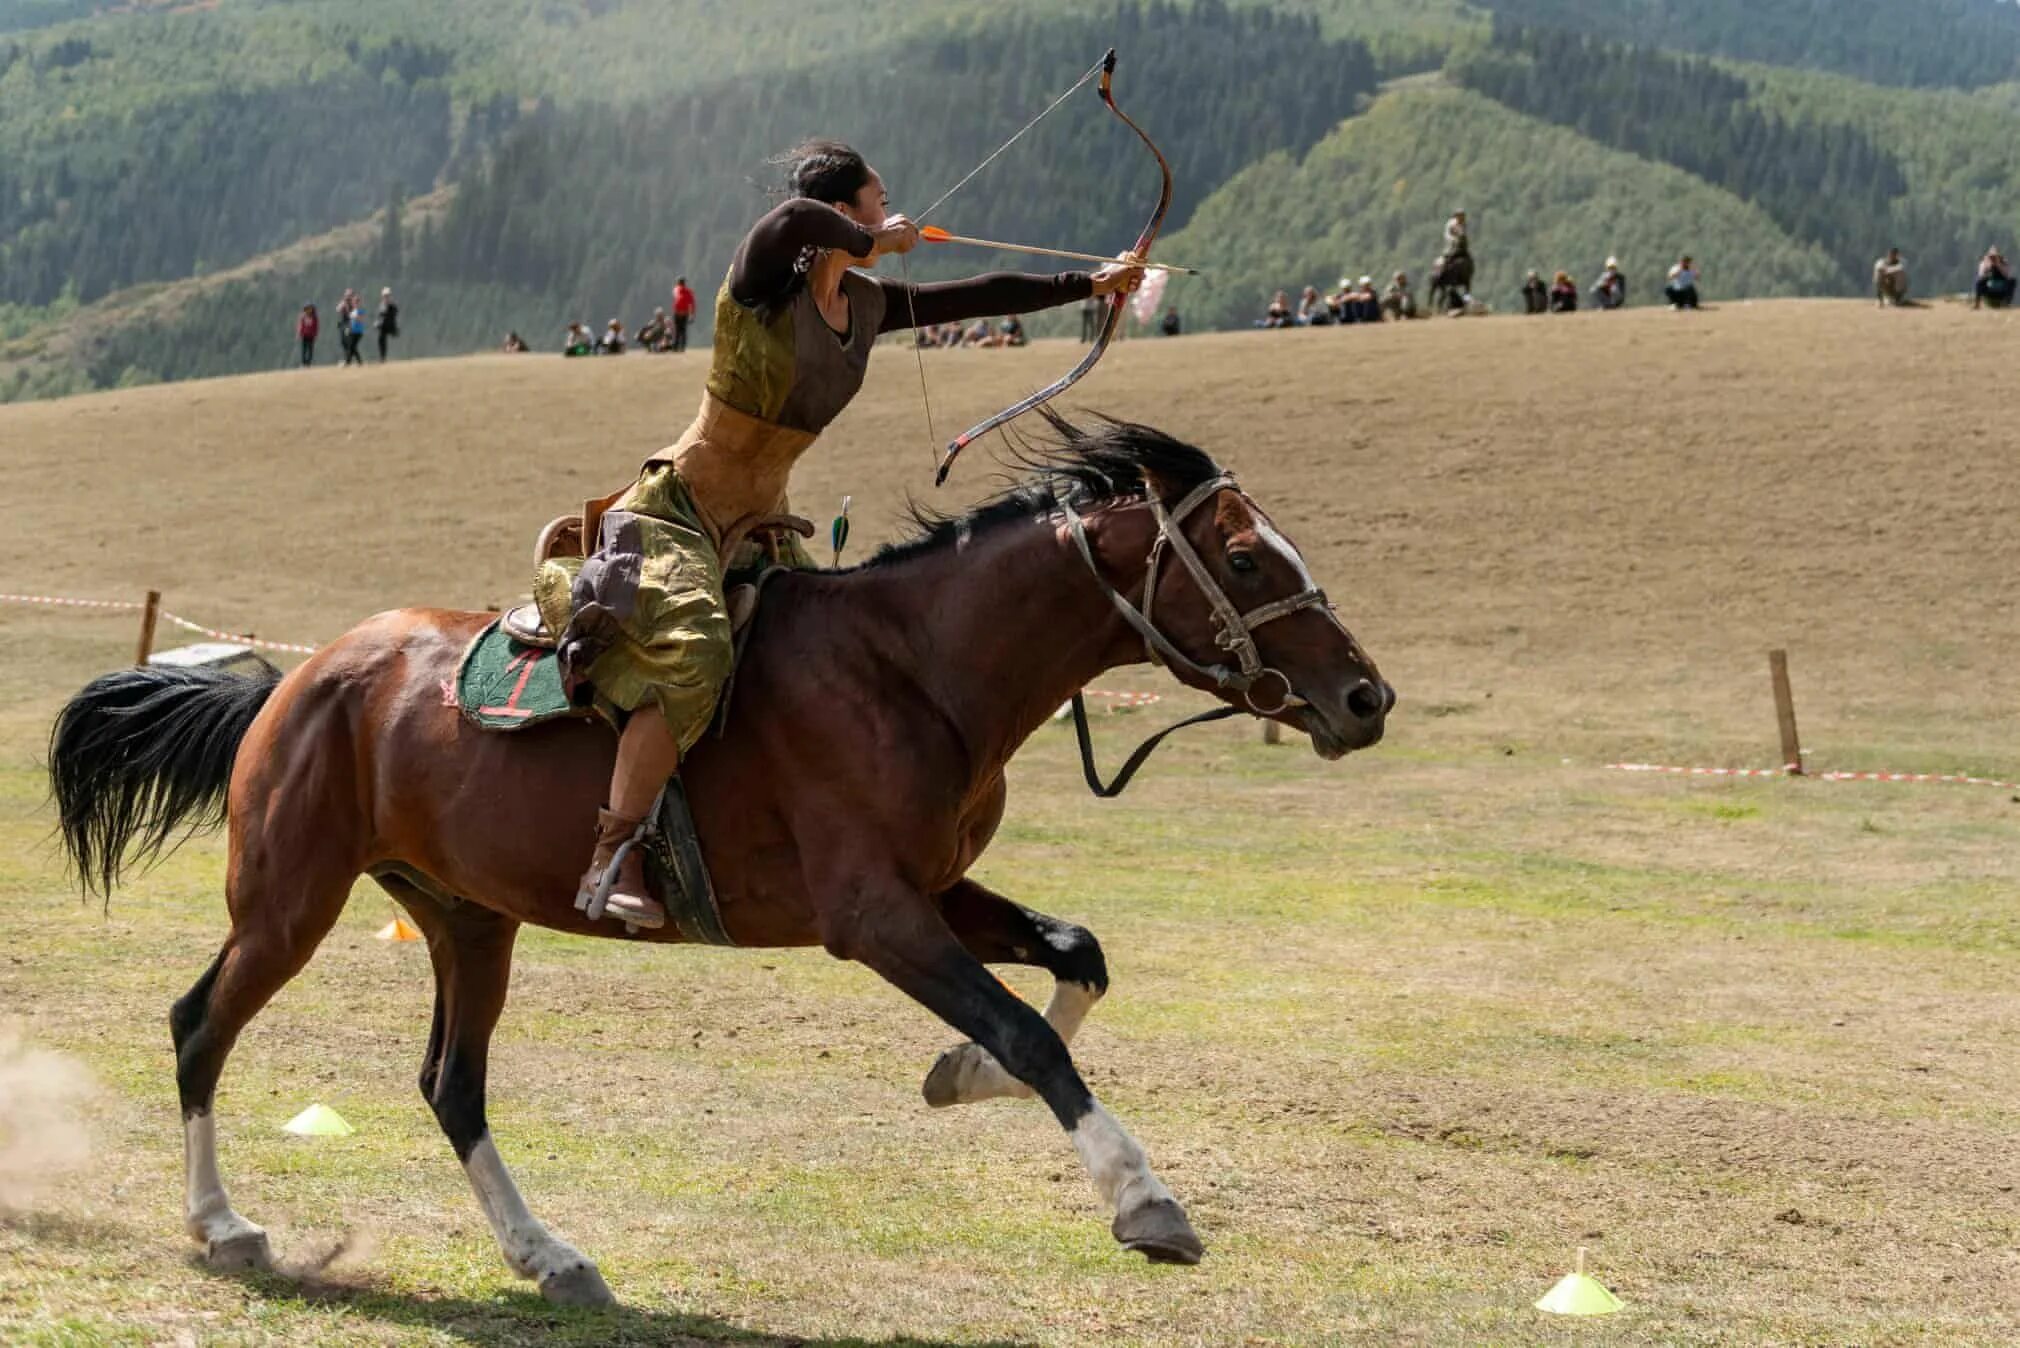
(318, 1121)
(399, 929)
(1576, 1294)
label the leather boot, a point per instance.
(630, 900)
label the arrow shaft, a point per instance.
(942, 236)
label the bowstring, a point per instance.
(905, 261)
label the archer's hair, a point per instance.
(824, 170)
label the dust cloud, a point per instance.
(43, 1130)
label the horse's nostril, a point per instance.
(1367, 700)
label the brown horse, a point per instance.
(857, 777)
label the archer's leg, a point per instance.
(997, 931)
(647, 754)
(901, 936)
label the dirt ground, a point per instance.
(1404, 1031)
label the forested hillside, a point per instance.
(1372, 197)
(176, 179)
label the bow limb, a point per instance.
(1117, 300)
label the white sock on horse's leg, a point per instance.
(526, 1244)
(1116, 1162)
(208, 1211)
(968, 1073)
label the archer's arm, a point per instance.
(1001, 292)
(764, 263)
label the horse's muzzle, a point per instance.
(1338, 726)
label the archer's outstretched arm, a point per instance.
(1002, 292)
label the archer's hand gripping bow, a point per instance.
(1117, 300)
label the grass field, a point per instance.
(1403, 1031)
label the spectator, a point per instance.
(612, 341)
(1169, 324)
(1012, 332)
(515, 344)
(1610, 290)
(1397, 301)
(347, 309)
(1279, 313)
(683, 312)
(579, 342)
(1994, 286)
(1681, 291)
(306, 328)
(1535, 295)
(1090, 318)
(354, 351)
(979, 333)
(1563, 294)
(387, 322)
(1890, 280)
(656, 333)
(1312, 311)
(1363, 304)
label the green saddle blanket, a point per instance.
(505, 684)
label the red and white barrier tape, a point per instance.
(1944, 778)
(133, 606)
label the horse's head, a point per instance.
(1227, 601)
(1233, 594)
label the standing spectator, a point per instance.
(306, 328)
(1994, 287)
(1610, 290)
(388, 321)
(1169, 324)
(1682, 288)
(1397, 301)
(1535, 295)
(683, 312)
(354, 335)
(1890, 280)
(1563, 294)
(347, 310)
(1090, 318)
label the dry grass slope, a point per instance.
(1404, 1031)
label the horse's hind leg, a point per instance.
(275, 928)
(471, 948)
(997, 931)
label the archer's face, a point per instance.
(870, 206)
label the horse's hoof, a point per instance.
(1159, 1232)
(943, 1083)
(577, 1285)
(246, 1253)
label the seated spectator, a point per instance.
(926, 335)
(1610, 290)
(656, 334)
(1535, 295)
(1279, 314)
(1011, 332)
(1995, 284)
(515, 344)
(612, 342)
(1397, 301)
(1563, 294)
(1336, 302)
(1169, 324)
(1312, 310)
(1890, 280)
(1681, 292)
(950, 336)
(579, 342)
(1363, 304)
(979, 333)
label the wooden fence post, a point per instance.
(1273, 732)
(1785, 711)
(148, 613)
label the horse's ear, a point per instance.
(1154, 486)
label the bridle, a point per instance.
(1234, 630)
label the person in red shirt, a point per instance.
(683, 312)
(306, 328)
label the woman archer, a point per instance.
(643, 619)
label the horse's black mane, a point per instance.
(1075, 464)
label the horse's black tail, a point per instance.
(140, 760)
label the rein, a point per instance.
(1235, 632)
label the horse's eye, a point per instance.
(1241, 561)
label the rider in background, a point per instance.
(643, 618)
(1457, 243)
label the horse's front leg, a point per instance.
(900, 933)
(996, 931)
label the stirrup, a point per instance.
(592, 904)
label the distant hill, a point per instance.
(248, 154)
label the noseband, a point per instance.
(1234, 631)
